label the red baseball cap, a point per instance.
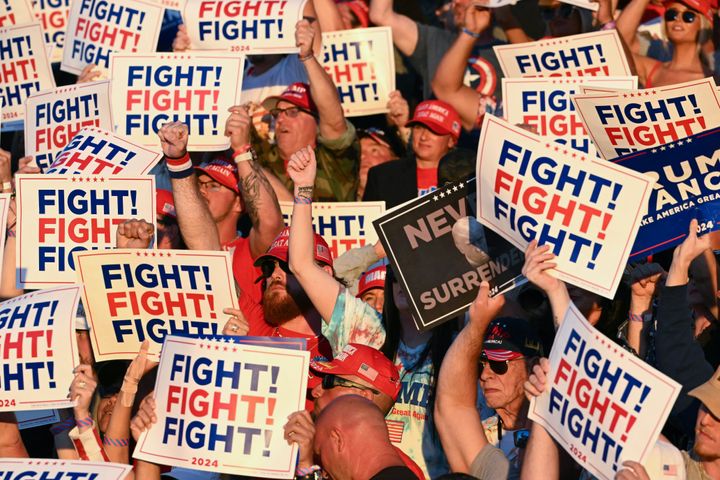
(297, 93)
(280, 246)
(374, 278)
(704, 7)
(508, 338)
(222, 171)
(365, 362)
(438, 116)
(164, 203)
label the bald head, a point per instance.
(348, 425)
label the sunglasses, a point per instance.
(331, 381)
(687, 16)
(291, 112)
(499, 367)
(268, 267)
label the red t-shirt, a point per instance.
(318, 346)
(244, 271)
(426, 180)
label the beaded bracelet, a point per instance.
(472, 34)
(634, 317)
(303, 200)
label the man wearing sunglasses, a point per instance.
(357, 370)
(498, 353)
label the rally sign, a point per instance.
(590, 90)
(424, 235)
(94, 151)
(15, 12)
(687, 175)
(98, 27)
(251, 27)
(193, 88)
(133, 295)
(587, 209)
(5, 200)
(594, 54)
(544, 105)
(361, 63)
(602, 404)
(221, 407)
(586, 4)
(624, 122)
(53, 117)
(39, 349)
(35, 468)
(25, 68)
(53, 16)
(36, 418)
(343, 225)
(59, 215)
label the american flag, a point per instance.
(395, 429)
(670, 470)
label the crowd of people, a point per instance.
(386, 400)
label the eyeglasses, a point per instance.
(210, 185)
(291, 112)
(687, 16)
(521, 437)
(499, 367)
(268, 267)
(330, 381)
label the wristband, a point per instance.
(116, 442)
(179, 167)
(305, 471)
(608, 26)
(84, 422)
(634, 317)
(240, 156)
(63, 426)
(302, 200)
(472, 34)
(307, 57)
(10, 233)
(7, 186)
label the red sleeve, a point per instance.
(253, 314)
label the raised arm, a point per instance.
(644, 281)
(330, 114)
(11, 443)
(456, 416)
(328, 16)
(448, 80)
(194, 219)
(318, 283)
(257, 193)
(404, 29)
(538, 261)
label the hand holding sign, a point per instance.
(5, 170)
(300, 429)
(174, 139)
(237, 126)
(685, 253)
(399, 113)
(144, 418)
(485, 307)
(237, 324)
(182, 42)
(89, 73)
(537, 381)
(302, 167)
(82, 390)
(304, 37)
(632, 471)
(134, 234)
(537, 264)
(27, 165)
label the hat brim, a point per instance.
(499, 355)
(434, 127)
(709, 396)
(218, 178)
(333, 366)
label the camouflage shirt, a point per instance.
(338, 165)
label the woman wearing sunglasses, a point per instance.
(687, 27)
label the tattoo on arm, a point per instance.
(305, 192)
(251, 187)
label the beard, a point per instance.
(280, 306)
